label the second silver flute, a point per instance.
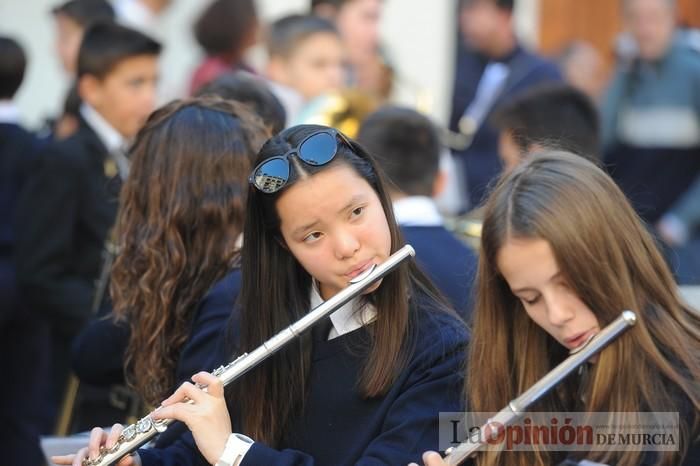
(518, 406)
(136, 435)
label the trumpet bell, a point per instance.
(344, 110)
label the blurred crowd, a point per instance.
(60, 185)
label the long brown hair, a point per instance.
(612, 263)
(181, 212)
(275, 293)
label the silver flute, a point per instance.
(136, 435)
(517, 407)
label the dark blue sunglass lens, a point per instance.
(319, 149)
(272, 175)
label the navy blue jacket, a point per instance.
(339, 427)
(65, 212)
(17, 147)
(23, 334)
(481, 160)
(98, 352)
(447, 261)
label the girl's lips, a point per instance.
(576, 340)
(358, 270)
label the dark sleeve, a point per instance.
(412, 423)
(46, 219)
(98, 352)
(182, 452)
(203, 351)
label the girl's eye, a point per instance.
(311, 237)
(358, 211)
(530, 302)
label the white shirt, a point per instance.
(9, 113)
(291, 100)
(134, 14)
(348, 318)
(345, 320)
(113, 141)
(417, 211)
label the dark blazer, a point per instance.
(98, 351)
(65, 213)
(23, 336)
(447, 261)
(481, 161)
(17, 147)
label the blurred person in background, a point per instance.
(225, 30)
(358, 22)
(141, 15)
(407, 147)
(72, 18)
(584, 68)
(492, 67)
(651, 113)
(250, 90)
(547, 117)
(305, 61)
(23, 335)
(69, 203)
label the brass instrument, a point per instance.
(138, 434)
(467, 227)
(518, 406)
(344, 110)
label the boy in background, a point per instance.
(70, 201)
(305, 61)
(407, 147)
(551, 116)
(23, 348)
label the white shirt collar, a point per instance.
(419, 211)
(9, 113)
(109, 136)
(114, 142)
(347, 318)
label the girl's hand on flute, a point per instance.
(207, 417)
(430, 458)
(98, 438)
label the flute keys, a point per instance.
(129, 433)
(160, 425)
(144, 425)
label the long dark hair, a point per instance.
(181, 212)
(611, 262)
(275, 293)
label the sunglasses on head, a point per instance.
(317, 149)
